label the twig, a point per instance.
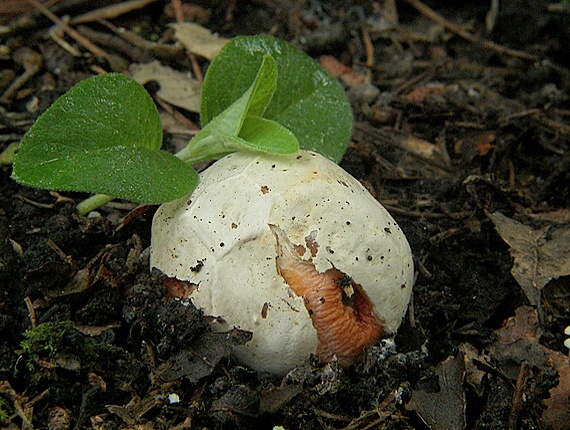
(111, 11)
(555, 125)
(368, 46)
(91, 47)
(328, 415)
(434, 16)
(177, 8)
(32, 63)
(196, 68)
(31, 312)
(161, 50)
(518, 396)
(57, 35)
(115, 43)
(175, 113)
(428, 215)
(179, 15)
(34, 203)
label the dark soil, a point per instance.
(449, 130)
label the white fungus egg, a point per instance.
(291, 248)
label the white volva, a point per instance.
(219, 239)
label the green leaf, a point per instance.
(253, 101)
(224, 133)
(261, 135)
(102, 136)
(263, 87)
(137, 174)
(307, 101)
(268, 136)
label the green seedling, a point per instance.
(104, 135)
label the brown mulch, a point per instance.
(462, 130)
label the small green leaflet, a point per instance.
(103, 136)
(307, 100)
(263, 134)
(241, 127)
(253, 101)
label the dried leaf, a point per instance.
(523, 326)
(199, 361)
(557, 413)
(441, 405)
(517, 341)
(474, 376)
(558, 216)
(274, 398)
(198, 40)
(240, 400)
(539, 254)
(132, 412)
(177, 88)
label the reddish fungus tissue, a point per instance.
(340, 311)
